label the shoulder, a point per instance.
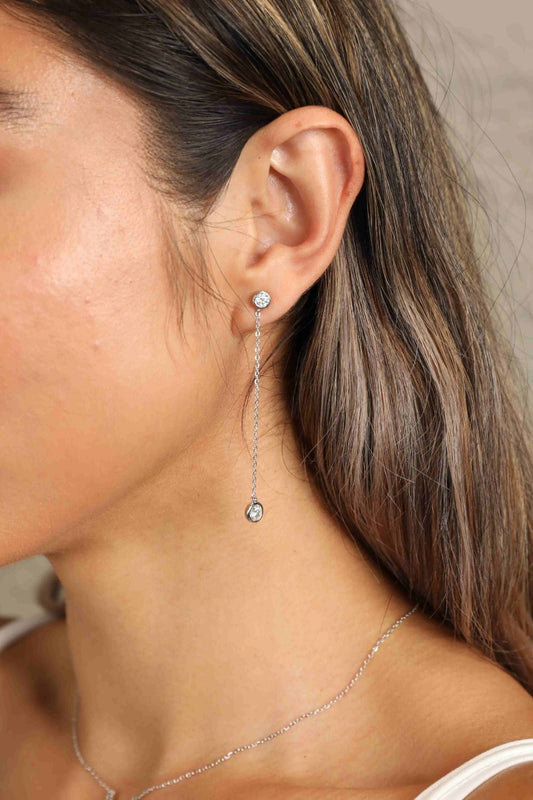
(33, 689)
(514, 782)
(442, 702)
(33, 662)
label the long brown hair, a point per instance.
(396, 377)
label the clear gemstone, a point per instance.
(254, 512)
(262, 299)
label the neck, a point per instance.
(192, 631)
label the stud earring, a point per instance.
(261, 300)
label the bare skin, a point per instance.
(426, 704)
(190, 631)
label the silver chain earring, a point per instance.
(261, 300)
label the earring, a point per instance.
(254, 512)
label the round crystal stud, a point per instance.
(262, 299)
(254, 512)
(110, 795)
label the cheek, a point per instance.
(92, 398)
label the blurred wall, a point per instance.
(478, 62)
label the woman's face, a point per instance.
(96, 391)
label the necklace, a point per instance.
(111, 793)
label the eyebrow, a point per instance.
(18, 107)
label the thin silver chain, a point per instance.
(111, 793)
(256, 400)
(262, 299)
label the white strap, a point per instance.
(462, 780)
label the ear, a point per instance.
(289, 196)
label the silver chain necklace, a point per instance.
(111, 793)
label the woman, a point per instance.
(200, 199)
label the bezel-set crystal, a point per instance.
(254, 512)
(262, 299)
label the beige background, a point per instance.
(478, 61)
